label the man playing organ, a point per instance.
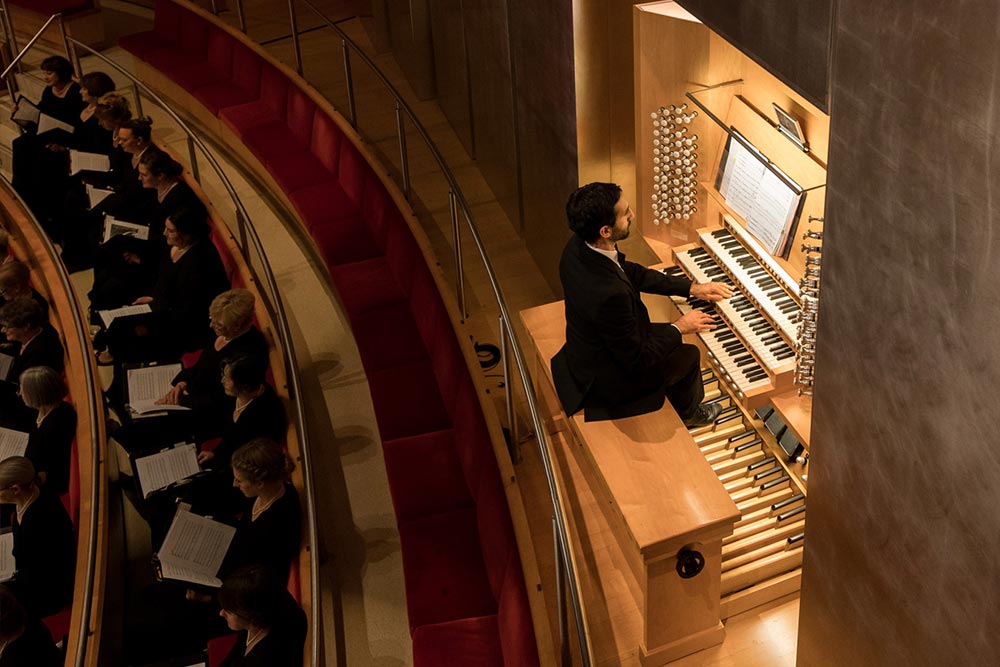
(616, 363)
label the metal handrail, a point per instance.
(247, 231)
(564, 554)
(96, 415)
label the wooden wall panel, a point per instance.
(410, 36)
(541, 38)
(790, 39)
(901, 553)
(492, 90)
(451, 67)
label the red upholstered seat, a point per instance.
(323, 203)
(58, 624)
(496, 533)
(140, 44)
(216, 68)
(269, 106)
(219, 648)
(326, 141)
(406, 401)
(387, 337)
(425, 475)
(469, 642)
(344, 241)
(366, 285)
(443, 569)
(517, 630)
(301, 169)
(295, 581)
(243, 86)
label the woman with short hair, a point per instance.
(32, 159)
(271, 625)
(50, 441)
(44, 546)
(24, 640)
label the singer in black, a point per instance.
(616, 363)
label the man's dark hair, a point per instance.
(24, 313)
(591, 207)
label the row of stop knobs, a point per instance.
(675, 164)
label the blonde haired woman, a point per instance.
(44, 546)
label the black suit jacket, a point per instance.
(45, 349)
(613, 361)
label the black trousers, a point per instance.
(682, 380)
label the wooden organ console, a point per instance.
(649, 497)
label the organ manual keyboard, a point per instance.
(752, 346)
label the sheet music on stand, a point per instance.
(12, 443)
(27, 112)
(148, 384)
(83, 161)
(6, 361)
(96, 195)
(769, 203)
(114, 227)
(194, 549)
(163, 469)
(109, 316)
(7, 565)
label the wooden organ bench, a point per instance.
(650, 497)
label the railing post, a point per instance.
(457, 235)
(349, 80)
(14, 48)
(241, 16)
(70, 54)
(215, 8)
(138, 100)
(241, 226)
(560, 595)
(508, 393)
(295, 36)
(401, 131)
(194, 158)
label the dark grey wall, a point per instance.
(902, 553)
(790, 39)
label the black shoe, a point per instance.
(704, 414)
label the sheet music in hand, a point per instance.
(109, 316)
(115, 227)
(12, 443)
(7, 565)
(47, 123)
(194, 549)
(27, 113)
(149, 384)
(160, 470)
(6, 361)
(82, 161)
(96, 195)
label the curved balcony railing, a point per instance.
(95, 409)
(252, 248)
(509, 341)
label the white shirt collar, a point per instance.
(610, 254)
